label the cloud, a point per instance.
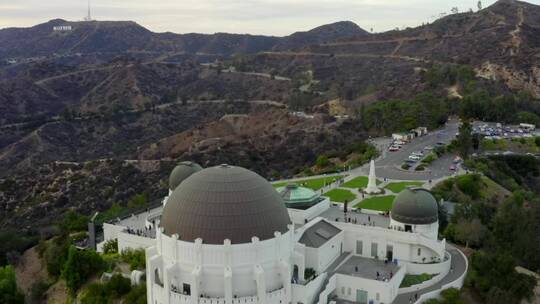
(269, 17)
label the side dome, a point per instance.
(224, 202)
(415, 206)
(295, 196)
(182, 171)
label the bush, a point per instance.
(322, 161)
(118, 286)
(420, 167)
(56, 254)
(137, 295)
(9, 293)
(405, 166)
(429, 158)
(73, 222)
(111, 246)
(80, 265)
(135, 258)
(470, 185)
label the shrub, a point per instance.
(322, 161)
(80, 265)
(135, 258)
(470, 185)
(405, 166)
(73, 222)
(429, 158)
(111, 246)
(56, 254)
(9, 293)
(420, 168)
(118, 286)
(137, 295)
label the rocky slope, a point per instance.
(116, 90)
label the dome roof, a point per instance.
(292, 193)
(182, 171)
(224, 202)
(415, 206)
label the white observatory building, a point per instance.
(225, 236)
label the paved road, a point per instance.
(389, 165)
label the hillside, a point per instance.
(117, 90)
(126, 36)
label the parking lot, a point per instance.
(493, 130)
(389, 165)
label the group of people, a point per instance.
(380, 277)
(146, 232)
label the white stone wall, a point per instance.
(222, 272)
(405, 244)
(299, 217)
(377, 291)
(431, 230)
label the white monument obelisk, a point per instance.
(372, 182)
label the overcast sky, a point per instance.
(268, 17)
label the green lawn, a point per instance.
(315, 184)
(340, 195)
(358, 182)
(415, 279)
(379, 203)
(398, 187)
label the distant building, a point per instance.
(420, 131)
(403, 136)
(527, 126)
(62, 28)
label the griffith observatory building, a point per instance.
(225, 235)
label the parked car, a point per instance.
(452, 168)
(419, 153)
(414, 157)
(393, 149)
(428, 148)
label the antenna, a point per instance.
(89, 16)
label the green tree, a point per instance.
(9, 293)
(73, 222)
(464, 140)
(470, 232)
(322, 161)
(80, 265)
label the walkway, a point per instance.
(458, 268)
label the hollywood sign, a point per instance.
(62, 28)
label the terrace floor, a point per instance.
(335, 212)
(367, 268)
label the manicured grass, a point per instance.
(340, 195)
(315, 184)
(398, 187)
(379, 203)
(415, 279)
(358, 182)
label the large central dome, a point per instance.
(224, 202)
